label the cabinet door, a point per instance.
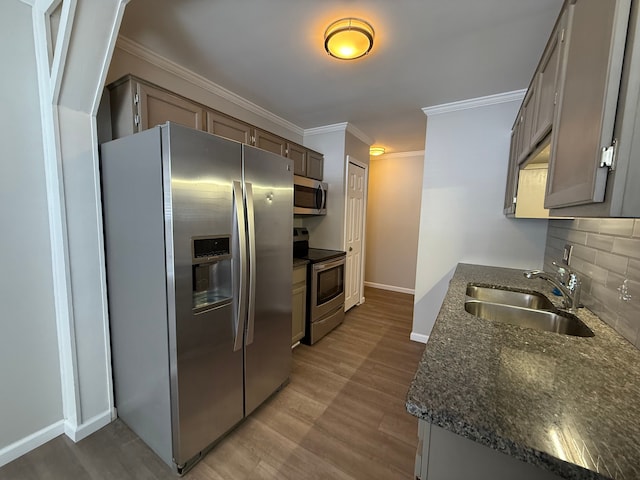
(512, 176)
(299, 298)
(526, 123)
(315, 164)
(590, 80)
(299, 156)
(270, 142)
(546, 83)
(158, 107)
(228, 127)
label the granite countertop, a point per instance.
(570, 405)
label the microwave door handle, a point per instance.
(239, 224)
(251, 232)
(322, 197)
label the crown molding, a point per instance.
(392, 155)
(359, 134)
(335, 127)
(342, 128)
(134, 48)
(496, 99)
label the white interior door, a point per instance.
(356, 192)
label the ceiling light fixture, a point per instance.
(348, 38)
(375, 151)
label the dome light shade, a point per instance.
(348, 38)
(375, 151)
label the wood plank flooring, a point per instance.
(342, 416)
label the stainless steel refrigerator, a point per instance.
(198, 239)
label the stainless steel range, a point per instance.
(325, 292)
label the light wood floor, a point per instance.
(342, 416)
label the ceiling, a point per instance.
(426, 53)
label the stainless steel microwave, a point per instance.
(309, 196)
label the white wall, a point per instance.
(335, 142)
(328, 231)
(393, 220)
(31, 397)
(461, 216)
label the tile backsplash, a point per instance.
(606, 255)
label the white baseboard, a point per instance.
(391, 288)
(90, 426)
(33, 441)
(26, 444)
(419, 337)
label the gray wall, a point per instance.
(461, 217)
(606, 254)
(30, 371)
(393, 220)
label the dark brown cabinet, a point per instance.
(306, 163)
(137, 105)
(269, 142)
(229, 127)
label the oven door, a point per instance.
(327, 287)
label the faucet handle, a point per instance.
(562, 267)
(563, 273)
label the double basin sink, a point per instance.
(522, 308)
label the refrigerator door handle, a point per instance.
(251, 231)
(242, 241)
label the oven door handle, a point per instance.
(326, 266)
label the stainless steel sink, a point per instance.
(549, 321)
(509, 297)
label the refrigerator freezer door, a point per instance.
(206, 373)
(268, 356)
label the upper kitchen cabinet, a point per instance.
(306, 163)
(315, 164)
(526, 119)
(299, 156)
(590, 73)
(270, 142)
(137, 106)
(512, 175)
(546, 81)
(619, 182)
(229, 127)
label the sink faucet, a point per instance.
(570, 290)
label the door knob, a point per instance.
(350, 249)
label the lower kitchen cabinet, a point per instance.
(443, 455)
(299, 302)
